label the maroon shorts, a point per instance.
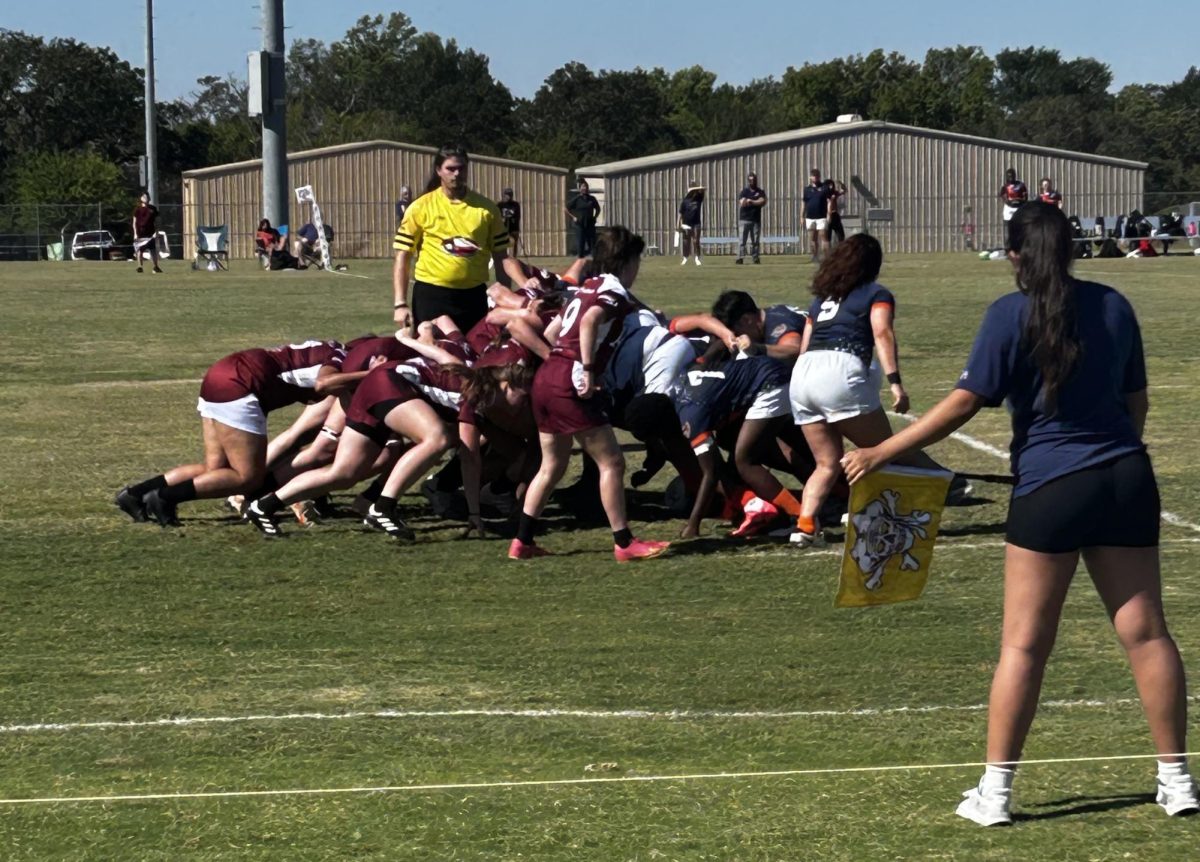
(557, 408)
(229, 379)
(376, 396)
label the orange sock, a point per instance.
(807, 524)
(784, 500)
(747, 496)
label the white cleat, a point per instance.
(990, 808)
(1177, 795)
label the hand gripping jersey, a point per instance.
(708, 398)
(846, 325)
(277, 376)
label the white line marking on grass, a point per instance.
(1168, 517)
(569, 782)
(114, 384)
(597, 714)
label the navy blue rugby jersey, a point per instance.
(708, 398)
(846, 325)
(782, 321)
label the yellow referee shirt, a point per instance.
(455, 239)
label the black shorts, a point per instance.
(465, 306)
(1114, 504)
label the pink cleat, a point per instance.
(759, 516)
(518, 550)
(640, 549)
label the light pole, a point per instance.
(151, 113)
(274, 117)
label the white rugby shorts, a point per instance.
(829, 386)
(815, 223)
(244, 414)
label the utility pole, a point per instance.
(151, 113)
(274, 117)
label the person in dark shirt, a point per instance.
(305, 244)
(816, 214)
(402, 203)
(689, 221)
(1048, 194)
(1014, 194)
(776, 330)
(510, 213)
(751, 201)
(145, 231)
(1066, 355)
(835, 190)
(583, 210)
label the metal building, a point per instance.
(918, 190)
(357, 186)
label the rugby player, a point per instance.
(776, 331)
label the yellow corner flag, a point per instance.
(894, 518)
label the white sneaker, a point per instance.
(683, 262)
(1178, 795)
(989, 808)
(803, 539)
(698, 263)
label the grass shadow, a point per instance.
(1073, 806)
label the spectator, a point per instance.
(689, 221)
(584, 210)
(510, 214)
(1048, 194)
(271, 246)
(833, 225)
(402, 203)
(452, 232)
(816, 214)
(1014, 194)
(751, 201)
(145, 231)
(305, 244)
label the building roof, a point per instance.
(663, 160)
(365, 145)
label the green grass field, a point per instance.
(720, 658)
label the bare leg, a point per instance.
(417, 421)
(826, 445)
(1128, 582)
(601, 444)
(236, 462)
(356, 458)
(309, 420)
(556, 454)
(759, 479)
(1035, 586)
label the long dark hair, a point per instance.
(851, 264)
(481, 385)
(450, 151)
(1040, 236)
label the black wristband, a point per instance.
(400, 305)
(894, 378)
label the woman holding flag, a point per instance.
(1067, 356)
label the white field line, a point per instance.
(569, 782)
(979, 445)
(133, 384)
(542, 714)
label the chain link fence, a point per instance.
(52, 231)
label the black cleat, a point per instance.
(390, 524)
(261, 521)
(131, 504)
(160, 510)
(324, 507)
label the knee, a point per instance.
(612, 462)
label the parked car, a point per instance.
(95, 245)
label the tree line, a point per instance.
(71, 114)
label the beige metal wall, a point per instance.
(927, 180)
(357, 186)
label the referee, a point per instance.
(452, 232)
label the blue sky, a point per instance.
(528, 39)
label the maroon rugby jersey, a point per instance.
(608, 293)
(360, 353)
(285, 375)
(441, 388)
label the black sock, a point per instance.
(385, 505)
(623, 538)
(526, 527)
(375, 489)
(141, 489)
(270, 484)
(180, 493)
(269, 504)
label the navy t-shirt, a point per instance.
(689, 211)
(751, 213)
(816, 201)
(780, 321)
(846, 325)
(708, 398)
(1091, 423)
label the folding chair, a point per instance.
(212, 244)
